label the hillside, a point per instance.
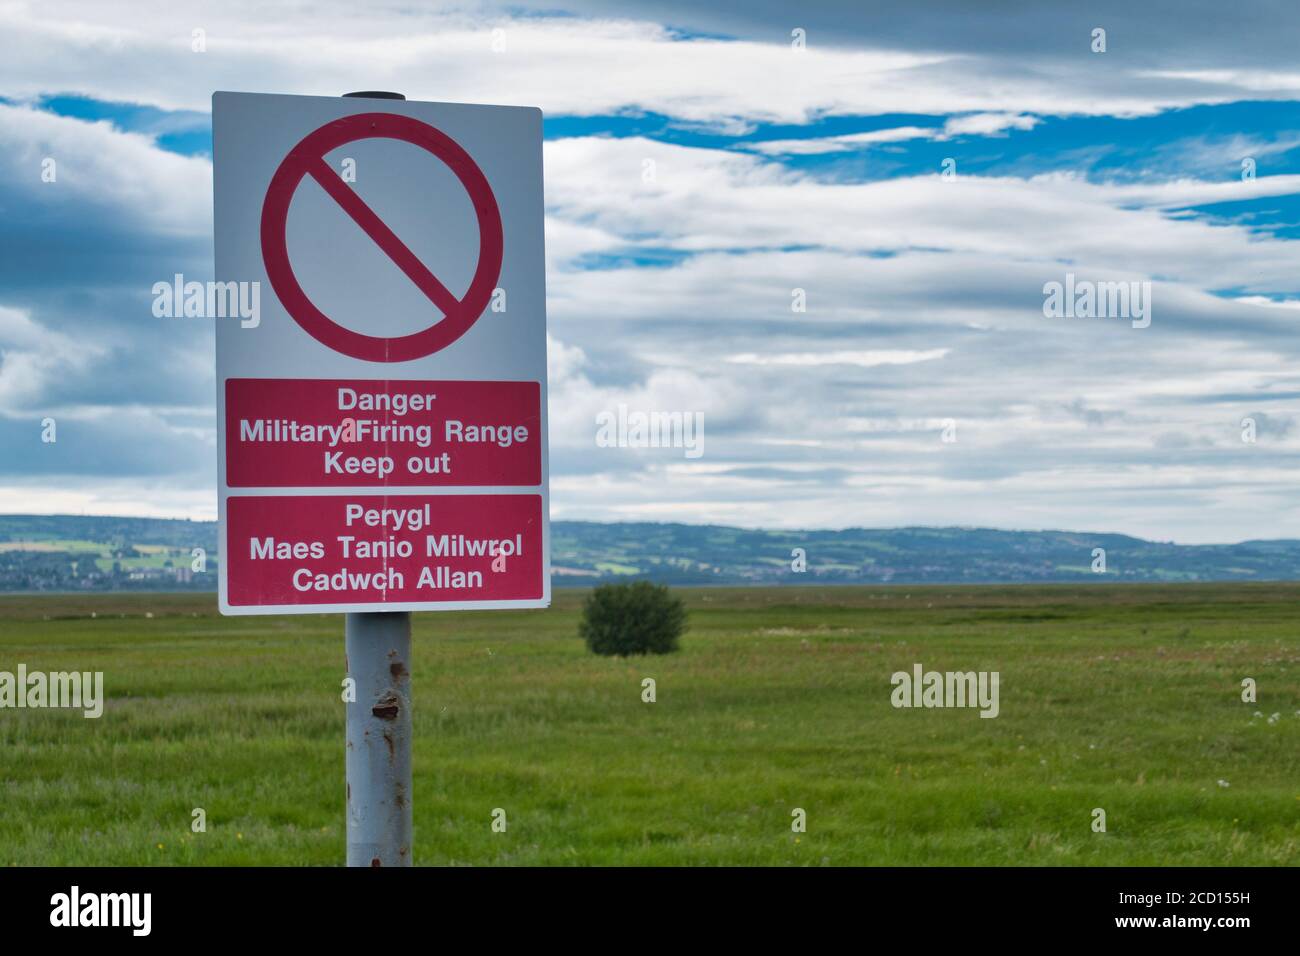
(74, 552)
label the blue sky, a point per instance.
(776, 169)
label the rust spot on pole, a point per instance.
(375, 862)
(387, 707)
(397, 669)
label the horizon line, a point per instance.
(736, 527)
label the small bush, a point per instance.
(638, 618)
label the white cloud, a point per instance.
(34, 358)
(813, 146)
(987, 124)
(977, 124)
(1254, 81)
(1271, 303)
(860, 359)
(924, 296)
(100, 170)
(704, 200)
(120, 50)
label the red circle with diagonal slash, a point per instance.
(308, 159)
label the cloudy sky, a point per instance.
(776, 169)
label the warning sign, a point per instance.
(407, 550)
(290, 433)
(382, 439)
(308, 159)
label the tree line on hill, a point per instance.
(77, 552)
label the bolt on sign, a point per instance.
(382, 428)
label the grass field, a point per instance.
(1126, 698)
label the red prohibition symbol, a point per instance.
(308, 159)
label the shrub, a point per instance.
(638, 618)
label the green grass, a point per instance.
(1120, 697)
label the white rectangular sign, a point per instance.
(381, 396)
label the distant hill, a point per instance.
(74, 552)
(85, 553)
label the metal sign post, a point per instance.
(378, 758)
(382, 446)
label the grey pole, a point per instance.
(378, 756)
